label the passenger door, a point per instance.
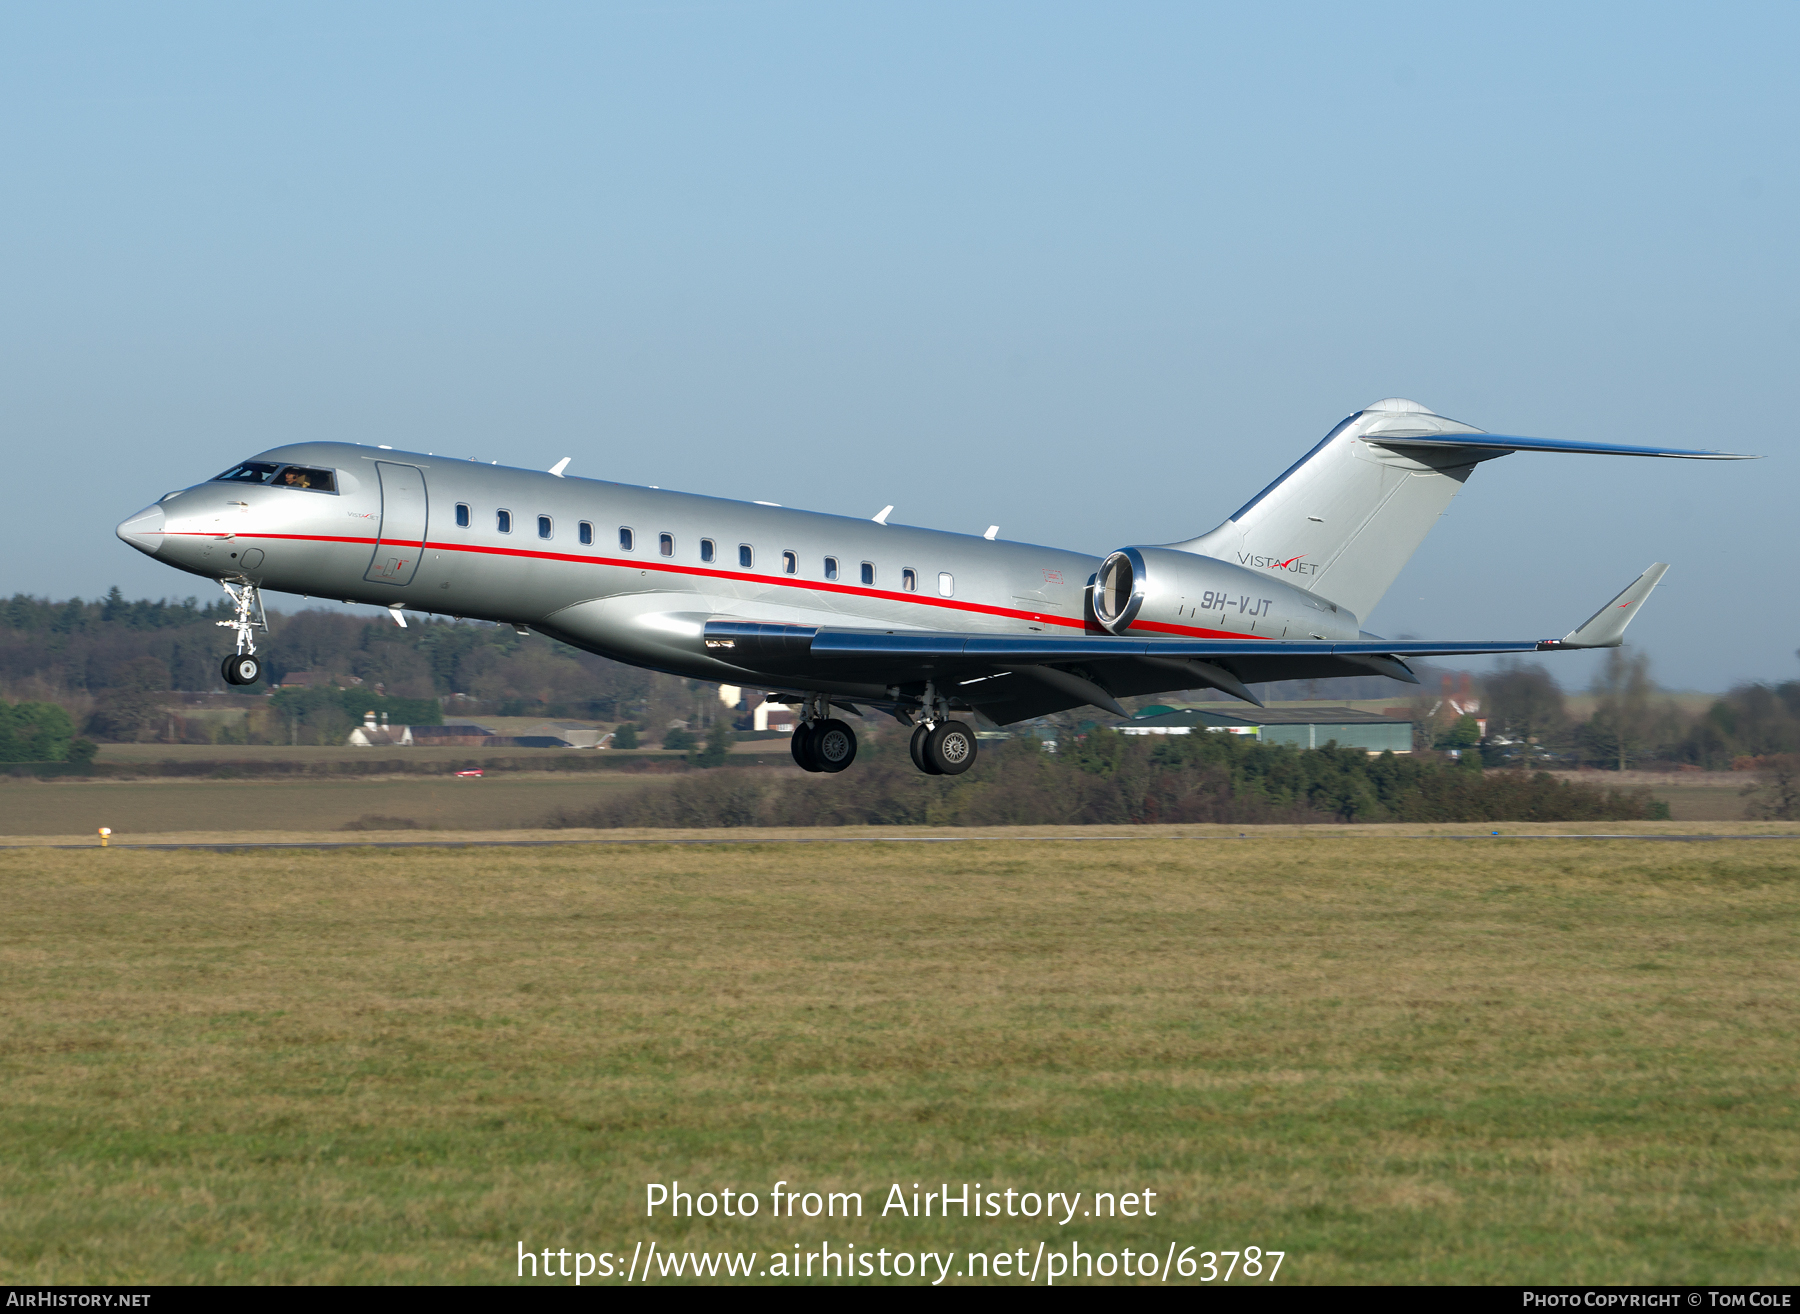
(401, 539)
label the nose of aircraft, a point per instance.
(144, 531)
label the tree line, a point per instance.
(112, 664)
(1632, 723)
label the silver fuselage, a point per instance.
(647, 604)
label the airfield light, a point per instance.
(105, 832)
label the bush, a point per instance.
(1109, 778)
(1776, 794)
(626, 736)
(678, 740)
(38, 732)
(717, 748)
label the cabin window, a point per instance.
(830, 567)
(909, 580)
(543, 526)
(869, 574)
(586, 534)
(706, 549)
(665, 544)
(290, 476)
(626, 538)
(946, 585)
(790, 564)
(462, 515)
(503, 521)
(746, 556)
(250, 472)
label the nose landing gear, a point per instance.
(243, 666)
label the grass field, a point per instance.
(1397, 1060)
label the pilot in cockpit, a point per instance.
(293, 477)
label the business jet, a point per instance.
(832, 613)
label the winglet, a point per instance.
(1606, 627)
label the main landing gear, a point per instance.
(944, 749)
(822, 742)
(940, 746)
(243, 666)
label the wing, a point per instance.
(1012, 677)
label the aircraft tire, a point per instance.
(951, 748)
(801, 747)
(241, 669)
(916, 747)
(833, 745)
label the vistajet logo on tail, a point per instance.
(1293, 565)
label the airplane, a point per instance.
(832, 613)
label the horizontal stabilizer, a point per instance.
(1511, 443)
(1606, 627)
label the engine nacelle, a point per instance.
(1166, 591)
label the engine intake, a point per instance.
(1120, 590)
(1167, 590)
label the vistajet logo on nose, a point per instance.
(1293, 565)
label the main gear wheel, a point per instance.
(832, 745)
(950, 748)
(241, 668)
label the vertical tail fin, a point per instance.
(1344, 519)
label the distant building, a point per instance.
(378, 734)
(1302, 727)
(773, 716)
(452, 734)
(576, 734)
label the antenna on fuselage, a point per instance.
(560, 466)
(991, 531)
(881, 516)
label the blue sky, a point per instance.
(1095, 273)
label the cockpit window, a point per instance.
(250, 472)
(280, 476)
(306, 476)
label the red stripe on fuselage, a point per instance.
(786, 581)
